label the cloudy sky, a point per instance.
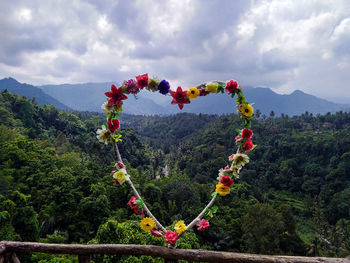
(281, 44)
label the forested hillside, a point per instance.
(56, 184)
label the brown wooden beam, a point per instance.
(163, 252)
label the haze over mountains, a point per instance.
(90, 96)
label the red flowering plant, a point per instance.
(227, 176)
(180, 97)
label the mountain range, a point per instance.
(30, 91)
(90, 96)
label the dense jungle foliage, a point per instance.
(56, 184)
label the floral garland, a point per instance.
(113, 107)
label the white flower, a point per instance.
(235, 170)
(107, 109)
(221, 174)
(103, 135)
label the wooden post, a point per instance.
(2, 249)
(7, 258)
(84, 258)
(15, 258)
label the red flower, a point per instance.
(202, 225)
(180, 97)
(232, 86)
(116, 182)
(141, 213)
(119, 165)
(156, 233)
(132, 203)
(142, 81)
(171, 237)
(115, 96)
(248, 145)
(246, 133)
(203, 92)
(113, 125)
(227, 181)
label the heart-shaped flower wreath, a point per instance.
(113, 107)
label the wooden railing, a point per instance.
(8, 251)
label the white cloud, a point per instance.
(285, 45)
(24, 15)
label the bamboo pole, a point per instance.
(163, 252)
(136, 193)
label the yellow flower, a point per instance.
(240, 159)
(211, 87)
(180, 227)
(120, 176)
(118, 109)
(147, 224)
(193, 93)
(222, 190)
(246, 110)
(235, 170)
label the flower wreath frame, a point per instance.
(113, 107)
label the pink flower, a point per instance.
(238, 138)
(131, 86)
(246, 133)
(227, 169)
(230, 158)
(156, 233)
(132, 203)
(142, 81)
(115, 96)
(119, 165)
(232, 86)
(227, 181)
(171, 237)
(113, 125)
(202, 225)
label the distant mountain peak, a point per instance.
(298, 92)
(9, 81)
(30, 91)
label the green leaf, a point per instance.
(139, 203)
(117, 137)
(221, 88)
(214, 209)
(214, 194)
